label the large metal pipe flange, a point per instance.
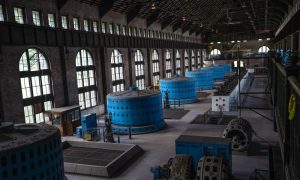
(212, 168)
(240, 131)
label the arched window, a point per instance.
(139, 69)
(35, 77)
(215, 52)
(199, 58)
(178, 63)
(155, 67)
(86, 82)
(263, 49)
(193, 58)
(117, 73)
(168, 64)
(186, 61)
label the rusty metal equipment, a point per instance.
(212, 168)
(240, 131)
(182, 167)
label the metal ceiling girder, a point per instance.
(152, 18)
(61, 3)
(133, 12)
(176, 26)
(165, 23)
(106, 6)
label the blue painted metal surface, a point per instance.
(198, 146)
(180, 89)
(139, 110)
(218, 71)
(79, 132)
(89, 121)
(227, 68)
(204, 79)
(36, 155)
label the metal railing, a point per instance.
(283, 86)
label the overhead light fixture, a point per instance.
(259, 39)
(268, 39)
(212, 43)
(232, 41)
(245, 41)
(153, 7)
(219, 42)
(183, 18)
(238, 41)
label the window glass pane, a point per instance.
(19, 16)
(87, 99)
(86, 25)
(51, 20)
(36, 18)
(95, 26)
(39, 118)
(64, 22)
(25, 86)
(76, 23)
(36, 86)
(103, 27)
(23, 65)
(28, 114)
(46, 85)
(1, 13)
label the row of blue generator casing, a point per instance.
(204, 79)
(199, 146)
(226, 67)
(180, 90)
(141, 111)
(218, 71)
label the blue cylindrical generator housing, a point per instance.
(218, 72)
(31, 151)
(204, 79)
(138, 111)
(180, 90)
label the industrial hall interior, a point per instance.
(150, 89)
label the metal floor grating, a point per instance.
(174, 113)
(90, 156)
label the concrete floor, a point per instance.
(160, 146)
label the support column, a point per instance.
(62, 50)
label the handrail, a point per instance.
(295, 84)
(281, 69)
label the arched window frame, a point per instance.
(178, 62)
(86, 81)
(117, 71)
(139, 69)
(36, 85)
(215, 52)
(186, 61)
(264, 49)
(168, 63)
(155, 67)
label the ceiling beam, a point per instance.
(152, 18)
(133, 12)
(61, 3)
(106, 7)
(192, 30)
(166, 23)
(176, 26)
(185, 28)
